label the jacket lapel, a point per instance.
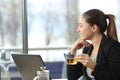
(99, 56)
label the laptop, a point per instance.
(28, 65)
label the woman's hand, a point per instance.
(78, 45)
(86, 60)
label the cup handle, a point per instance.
(36, 78)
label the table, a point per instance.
(58, 79)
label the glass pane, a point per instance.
(10, 34)
(49, 20)
(53, 23)
(10, 23)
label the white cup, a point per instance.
(42, 75)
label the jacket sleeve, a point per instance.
(112, 70)
(74, 71)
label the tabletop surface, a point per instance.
(59, 79)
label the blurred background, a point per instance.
(51, 26)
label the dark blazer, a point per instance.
(108, 62)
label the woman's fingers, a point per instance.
(83, 58)
(78, 45)
(86, 60)
(85, 43)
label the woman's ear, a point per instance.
(94, 28)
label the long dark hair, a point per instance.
(95, 16)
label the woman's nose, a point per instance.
(78, 29)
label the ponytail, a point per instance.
(111, 29)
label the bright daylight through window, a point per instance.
(51, 27)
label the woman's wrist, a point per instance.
(93, 66)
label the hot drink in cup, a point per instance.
(70, 59)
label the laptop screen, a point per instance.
(28, 65)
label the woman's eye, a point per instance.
(80, 25)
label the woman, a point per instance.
(100, 60)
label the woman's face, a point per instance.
(84, 29)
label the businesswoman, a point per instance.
(100, 59)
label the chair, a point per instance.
(3, 73)
(55, 69)
(13, 72)
(64, 70)
(2, 68)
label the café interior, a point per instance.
(45, 28)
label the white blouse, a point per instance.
(89, 71)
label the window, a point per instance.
(51, 25)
